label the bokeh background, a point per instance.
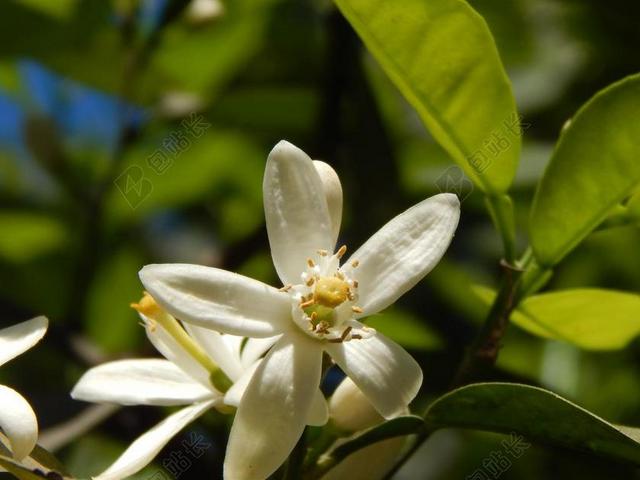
(136, 131)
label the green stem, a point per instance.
(501, 211)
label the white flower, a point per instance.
(316, 311)
(17, 419)
(194, 358)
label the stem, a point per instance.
(501, 211)
(483, 352)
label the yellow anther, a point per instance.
(310, 281)
(355, 284)
(323, 253)
(331, 291)
(311, 263)
(307, 303)
(147, 306)
(341, 251)
(339, 275)
(355, 263)
(357, 309)
(286, 288)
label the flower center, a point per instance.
(323, 304)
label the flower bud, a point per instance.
(350, 410)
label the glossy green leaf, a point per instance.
(27, 235)
(590, 318)
(593, 168)
(399, 426)
(536, 414)
(442, 57)
(40, 460)
(593, 319)
(405, 329)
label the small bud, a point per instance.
(350, 410)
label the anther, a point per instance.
(306, 304)
(286, 288)
(323, 253)
(355, 284)
(311, 263)
(339, 275)
(345, 333)
(341, 251)
(355, 263)
(313, 316)
(355, 336)
(357, 309)
(310, 281)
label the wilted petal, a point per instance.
(217, 299)
(296, 212)
(19, 338)
(403, 251)
(388, 376)
(274, 408)
(333, 193)
(147, 446)
(18, 422)
(139, 382)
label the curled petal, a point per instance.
(217, 299)
(296, 211)
(18, 422)
(388, 376)
(142, 451)
(139, 382)
(333, 193)
(274, 408)
(19, 338)
(403, 251)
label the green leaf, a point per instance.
(593, 319)
(28, 235)
(442, 57)
(590, 318)
(399, 426)
(39, 459)
(593, 168)
(406, 329)
(537, 414)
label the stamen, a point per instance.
(355, 284)
(340, 253)
(355, 263)
(311, 263)
(355, 336)
(306, 304)
(339, 275)
(323, 253)
(351, 296)
(313, 316)
(345, 333)
(286, 288)
(310, 281)
(356, 309)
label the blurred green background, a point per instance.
(134, 132)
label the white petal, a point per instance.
(147, 446)
(19, 338)
(402, 252)
(388, 376)
(139, 382)
(319, 412)
(233, 396)
(217, 348)
(296, 212)
(217, 299)
(333, 193)
(254, 348)
(274, 408)
(175, 353)
(18, 422)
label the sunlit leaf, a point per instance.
(536, 414)
(593, 168)
(445, 62)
